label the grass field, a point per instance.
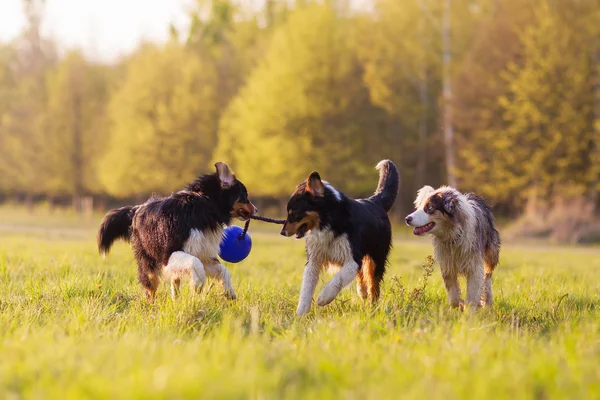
(75, 326)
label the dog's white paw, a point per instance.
(327, 295)
(230, 294)
(302, 309)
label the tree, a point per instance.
(161, 122)
(22, 119)
(75, 125)
(542, 148)
(399, 45)
(304, 105)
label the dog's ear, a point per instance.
(226, 175)
(422, 195)
(314, 186)
(450, 201)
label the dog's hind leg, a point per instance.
(372, 275)
(217, 271)
(487, 295)
(148, 273)
(340, 280)
(491, 260)
(149, 280)
(361, 283)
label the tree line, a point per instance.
(497, 97)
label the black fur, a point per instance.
(388, 185)
(161, 226)
(365, 221)
(115, 225)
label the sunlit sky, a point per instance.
(104, 29)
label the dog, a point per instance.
(179, 236)
(465, 241)
(352, 236)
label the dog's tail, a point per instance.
(115, 225)
(389, 182)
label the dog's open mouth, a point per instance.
(421, 230)
(301, 231)
(243, 215)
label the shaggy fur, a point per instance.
(465, 240)
(180, 234)
(353, 237)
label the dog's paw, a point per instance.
(230, 294)
(467, 306)
(302, 309)
(327, 295)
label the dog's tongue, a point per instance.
(420, 230)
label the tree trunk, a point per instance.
(595, 181)
(77, 156)
(448, 128)
(424, 99)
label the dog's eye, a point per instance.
(429, 209)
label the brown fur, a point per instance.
(465, 240)
(311, 220)
(151, 285)
(366, 282)
(242, 210)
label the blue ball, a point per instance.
(233, 249)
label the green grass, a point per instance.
(75, 326)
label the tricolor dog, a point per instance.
(465, 240)
(179, 236)
(353, 237)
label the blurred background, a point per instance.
(103, 103)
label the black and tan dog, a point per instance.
(179, 236)
(353, 236)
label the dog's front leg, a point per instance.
(309, 284)
(343, 278)
(218, 271)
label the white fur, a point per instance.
(184, 265)
(309, 284)
(199, 258)
(419, 218)
(333, 190)
(325, 251)
(204, 245)
(342, 279)
(455, 249)
(422, 195)
(218, 271)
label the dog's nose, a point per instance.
(408, 219)
(283, 232)
(255, 210)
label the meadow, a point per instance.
(73, 325)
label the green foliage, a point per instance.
(161, 118)
(542, 145)
(75, 125)
(77, 326)
(303, 105)
(281, 88)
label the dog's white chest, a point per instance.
(323, 247)
(204, 244)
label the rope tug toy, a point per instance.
(236, 243)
